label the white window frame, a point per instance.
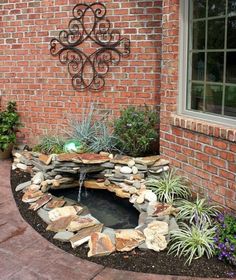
(183, 75)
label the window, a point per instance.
(209, 59)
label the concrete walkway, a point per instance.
(25, 255)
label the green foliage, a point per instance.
(169, 187)
(199, 209)
(9, 121)
(95, 134)
(50, 144)
(193, 242)
(136, 130)
(225, 238)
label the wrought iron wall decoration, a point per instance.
(88, 71)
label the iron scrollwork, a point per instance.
(88, 71)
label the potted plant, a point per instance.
(9, 121)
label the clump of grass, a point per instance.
(50, 144)
(169, 187)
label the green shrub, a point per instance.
(193, 242)
(50, 144)
(169, 187)
(198, 209)
(9, 121)
(136, 130)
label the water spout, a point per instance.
(82, 176)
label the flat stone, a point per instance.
(80, 222)
(65, 185)
(92, 158)
(43, 214)
(141, 207)
(111, 233)
(121, 159)
(148, 161)
(63, 236)
(161, 209)
(133, 190)
(84, 235)
(161, 162)
(93, 184)
(158, 227)
(42, 167)
(38, 178)
(40, 202)
(46, 159)
(159, 170)
(100, 245)
(55, 203)
(137, 184)
(31, 196)
(108, 165)
(68, 157)
(65, 211)
(22, 186)
(141, 167)
(33, 188)
(60, 224)
(128, 239)
(122, 194)
(125, 170)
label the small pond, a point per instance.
(112, 211)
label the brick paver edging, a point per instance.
(24, 254)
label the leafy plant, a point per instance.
(136, 130)
(192, 211)
(50, 144)
(193, 242)
(169, 187)
(225, 238)
(95, 134)
(9, 121)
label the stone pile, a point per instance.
(123, 175)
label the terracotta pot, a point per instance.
(6, 153)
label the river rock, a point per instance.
(125, 170)
(134, 170)
(65, 211)
(38, 178)
(128, 239)
(40, 202)
(22, 166)
(133, 190)
(60, 224)
(137, 184)
(140, 199)
(150, 196)
(159, 170)
(80, 222)
(84, 235)
(100, 245)
(31, 196)
(63, 236)
(22, 186)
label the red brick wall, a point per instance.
(204, 152)
(42, 86)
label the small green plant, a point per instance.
(50, 144)
(193, 241)
(9, 121)
(198, 209)
(136, 129)
(225, 238)
(169, 187)
(95, 134)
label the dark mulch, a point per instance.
(136, 260)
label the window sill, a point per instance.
(204, 127)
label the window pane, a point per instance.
(230, 101)
(216, 8)
(199, 8)
(197, 96)
(231, 67)
(198, 62)
(215, 66)
(231, 42)
(199, 35)
(216, 33)
(231, 7)
(213, 102)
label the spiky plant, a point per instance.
(193, 241)
(198, 209)
(51, 144)
(169, 187)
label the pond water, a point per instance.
(112, 211)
